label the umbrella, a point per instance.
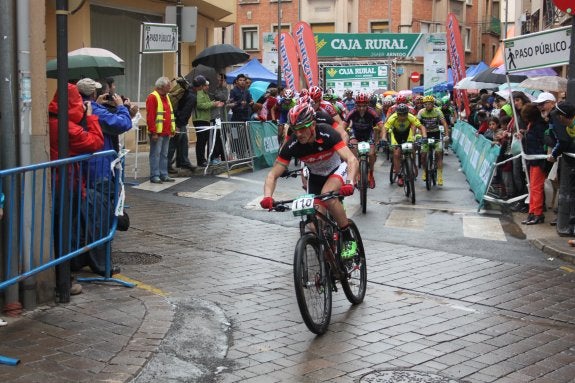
(505, 93)
(530, 72)
(489, 75)
(258, 89)
(406, 92)
(389, 93)
(469, 84)
(95, 63)
(546, 83)
(221, 56)
(209, 73)
(514, 87)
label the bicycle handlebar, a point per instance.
(291, 173)
(282, 206)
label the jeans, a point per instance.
(159, 156)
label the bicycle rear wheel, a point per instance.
(405, 175)
(429, 169)
(312, 284)
(410, 178)
(391, 174)
(363, 184)
(354, 281)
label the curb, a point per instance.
(552, 250)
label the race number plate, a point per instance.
(363, 147)
(407, 146)
(441, 129)
(303, 205)
(431, 141)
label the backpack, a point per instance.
(178, 91)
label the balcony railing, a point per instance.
(492, 25)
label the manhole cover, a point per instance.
(399, 376)
(133, 258)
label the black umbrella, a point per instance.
(488, 75)
(209, 73)
(220, 56)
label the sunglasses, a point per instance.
(303, 126)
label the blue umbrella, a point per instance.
(258, 89)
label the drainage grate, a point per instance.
(402, 376)
(133, 258)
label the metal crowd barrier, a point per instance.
(41, 200)
(237, 145)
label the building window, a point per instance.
(250, 38)
(119, 31)
(467, 39)
(323, 28)
(285, 27)
(379, 26)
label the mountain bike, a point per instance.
(431, 165)
(317, 264)
(363, 183)
(407, 171)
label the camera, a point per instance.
(109, 96)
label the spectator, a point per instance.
(114, 116)
(179, 144)
(240, 100)
(533, 143)
(202, 117)
(161, 126)
(222, 93)
(85, 136)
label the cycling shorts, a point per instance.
(438, 145)
(316, 182)
(399, 137)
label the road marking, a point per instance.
(141, 285)
(406, 219)
(159, 187)
(483, 228)
(567, 269)
(212, 192)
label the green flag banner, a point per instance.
(477, 156)
(264, 142)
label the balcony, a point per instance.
(491, 25)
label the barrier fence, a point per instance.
(55, 211)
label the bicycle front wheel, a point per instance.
(410, 178)
(354, 281)
(363, 185)
(312, 284)
(429, 169)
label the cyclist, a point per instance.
(286, 102)
(348, 100)
(401, 125)
(431, 117)
(318, 104)
(418, 103)
(361, 124)
(386, 105)
(332, 166)
(401, 99)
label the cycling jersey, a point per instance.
(328, 108)
(392, 108)
(431, 119)
(362, 126)
(400, 130)
(320, 156)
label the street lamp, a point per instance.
(279, 43)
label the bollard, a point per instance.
(566, 196)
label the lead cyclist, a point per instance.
(431, 117)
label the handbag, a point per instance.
(123, 222)
(515, 146)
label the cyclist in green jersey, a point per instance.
(431, 117)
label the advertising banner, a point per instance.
(269, 52)
(369, 44)
(434, 60)
(457, 59)
(305, 44)
(363, 78)
(477, 156)
(289, 60)
(264, 142)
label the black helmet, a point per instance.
(402, 109)
(301, 116)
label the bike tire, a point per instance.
(429, 170)
(434, 170)
(391, 174)
(314, 297)
(410, 178)
(363, 183)
(406, 185)
(354, 282)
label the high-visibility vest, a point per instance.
(160, 114)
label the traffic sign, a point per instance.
(566, 6)
(415, 76)
(538, 50)
(158, 38)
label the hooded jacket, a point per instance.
(82, 140)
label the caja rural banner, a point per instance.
(289, 60)
(457, 59)
(305, 44)
(477, 156)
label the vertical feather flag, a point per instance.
(305, 44)
(288, 60)
(457, 59)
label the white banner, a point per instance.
(157, 38)
(434, 60)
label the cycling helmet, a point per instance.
(301, 116)
(288, 93)
(388, 101)
(373, 100)
(348, 93)
(315, 93)
(445, 99)
(402, 109)
(418, 99)
(362, 98)
(303, 92)
(427, 99)
(400, 99)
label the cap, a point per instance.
(567, 109)
(544, 97)
(199, 81)
(87, 86)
